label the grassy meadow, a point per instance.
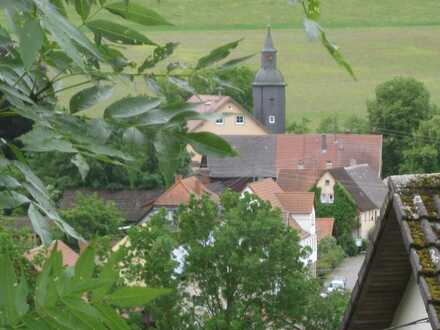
(380, 38)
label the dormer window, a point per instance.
(271, 119)
(220, 121)
(300, 164)
(239, 120)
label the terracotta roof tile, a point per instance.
(324, 227)
(181, 191)
(297, 202)
(69, 256)
(297, 179)
(267, 189)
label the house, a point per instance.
(232, 119)
(363, 185)
(179, 193)
(324, 228)
(133, 204)
(69, 256)
(297, 209)
(398, 283)
(268, 155)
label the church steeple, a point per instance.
(269, 89)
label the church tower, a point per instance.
(269, 90)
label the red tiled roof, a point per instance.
(297, 202)
(297, 180)
(267, 189)
(315, 150)
(69, 256)
(324, 227)
(181, 191)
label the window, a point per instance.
(327, 198)
(220, 121)
(300, 164)
(327, 182)
(271, 119)
(329, 164)
(239, 120)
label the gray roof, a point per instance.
(269, 76)
(257, 155)
(362, 183)
(133, 204)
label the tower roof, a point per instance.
(268, 43)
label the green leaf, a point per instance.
(59, 5)
(132, 135)
(206, 143)
(85, 266)
(217, 54)
(43, 290)
(8, 283)
(39, 224)
(118, 33)
(130, 107)
(182, 84)
(31, 40)
(111, 318)
(136, 13)
(168, 149)
(11, 199)
(83, 7)
(65, 34)
(313, 10)
(42, 139)
(89, 97)
(83, 167)
(135, 296)
(336, 54)
(159, 54)
(236, 61)
(109, 273)
(9, 182)
(21, 295)
(86, 313)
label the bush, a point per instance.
(330, 255)
(92, 217)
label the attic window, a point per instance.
(300, 164)
(229, 107)
(327, 182)
(329, 164)
(220, 121)
(239, 120)
(271, 119)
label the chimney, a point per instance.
(198, 189)
(178, 178)
(83, 246)
(323, 143)
(204, 176)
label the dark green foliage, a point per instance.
(244, 260)
(58, 299)
(92, 216)
(330, 255)
(299, 127)
(326, 313)
(356, 125)
(235, 81)
(400, 105)
(344, 211)
(422, 155)
(330, 124)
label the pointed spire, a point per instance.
(268, 44)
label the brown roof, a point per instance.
(297, 202)
(213, 103)
(267, 189)
(298, 180)
(404, 245)
(324, 227)
(266, 155)
(133, 204)
(315, 150)
(69, 256)
(180, 192)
